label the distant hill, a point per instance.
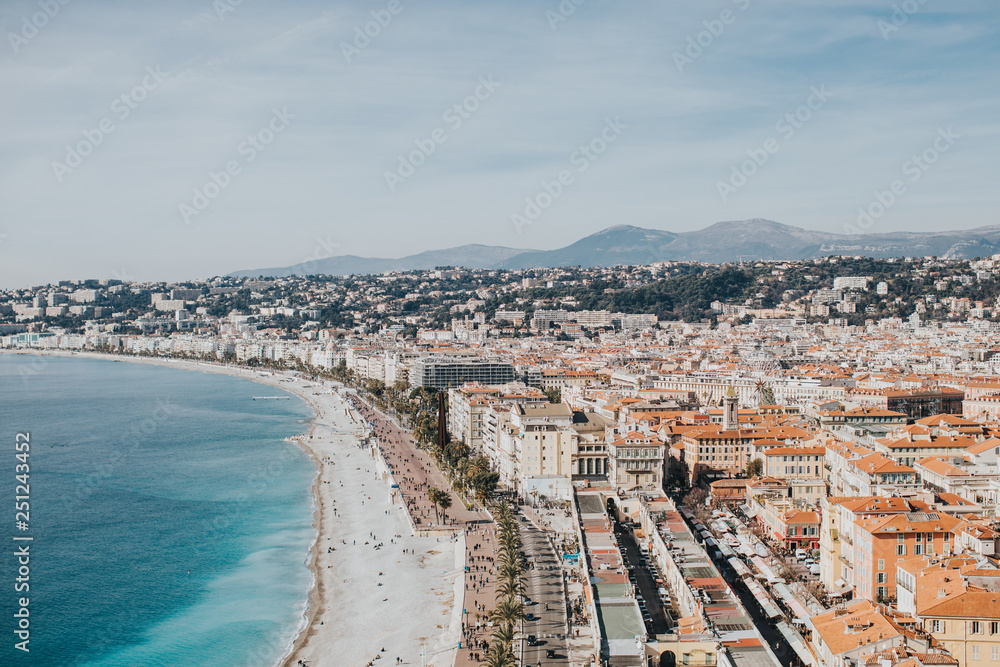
(755, 239)
(469, 256)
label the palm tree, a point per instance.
(509, 610)
(503, 634)
(500, 655)
(444, 501)
(508, 588)
(434, 495)
(510, 571)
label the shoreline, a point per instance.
(309, 636)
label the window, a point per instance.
(994, 628)
(995, 653)
(975, 651)
(880, 578)
(881, 563)
(947, 537)
(977, 627)
(900, 549)
(900, 538)
(937, 626)
(918, 549)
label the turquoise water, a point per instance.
(171, 522)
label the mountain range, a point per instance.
(755, 239)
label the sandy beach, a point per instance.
(375, 585)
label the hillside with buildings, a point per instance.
(768, 460)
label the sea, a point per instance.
(170, 519)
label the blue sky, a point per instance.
(184, 85)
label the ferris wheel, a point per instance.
(761, 365)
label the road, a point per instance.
(545, 588)
(643, 580)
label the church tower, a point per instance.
(730, 410)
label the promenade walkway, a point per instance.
(480, 593)
(415, 471)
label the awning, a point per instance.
(739, 567)
(842, 590)
(795, 641)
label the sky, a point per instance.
(188, 139)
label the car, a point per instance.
(532, 640)
(530, 617)
(550, 653)
(528, 601)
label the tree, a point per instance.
(554, 394)
(508, 611)
(444, 502)
(434, 495)
(695, 501)
(755, 468)
(695, 498)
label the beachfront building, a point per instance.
(439, 372)
(544, 442)
(469, 407)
